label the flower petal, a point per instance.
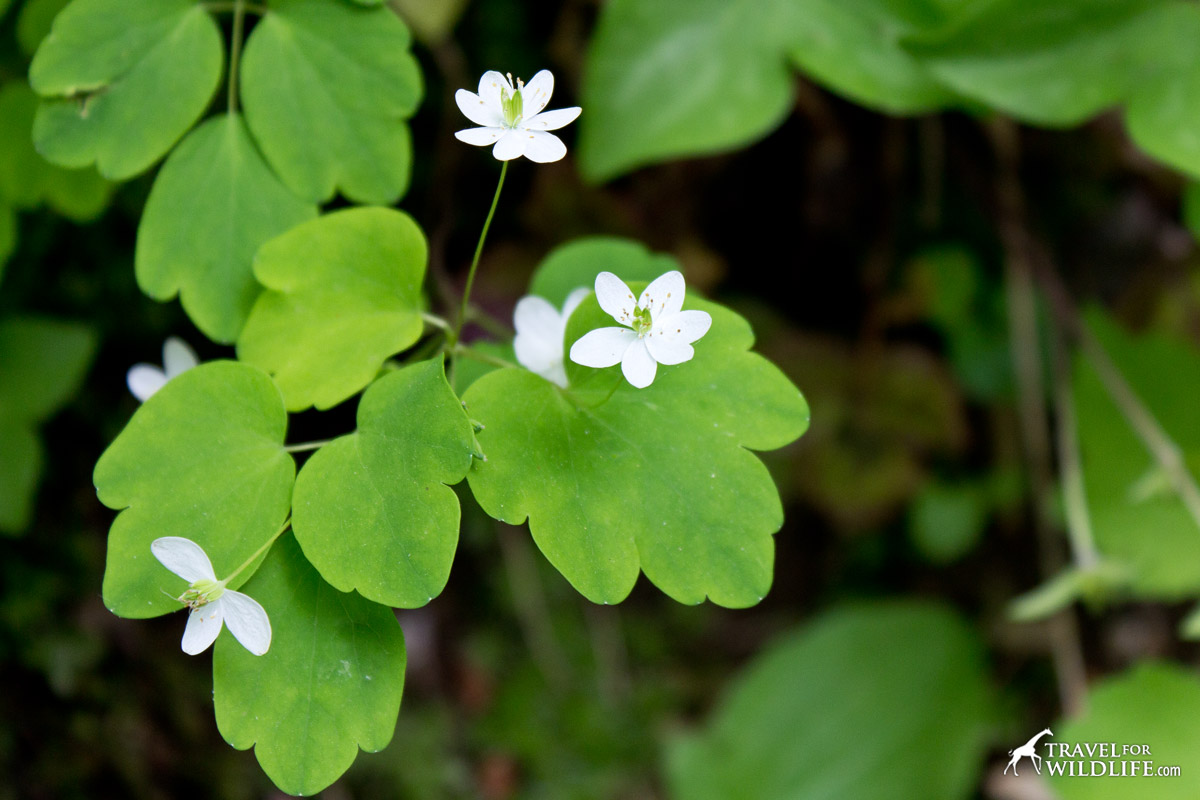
(543, 147)
(479, 136)
(247, 621)
(144, 380)
(576, 297)
(538, 344)
(183, 557)
(178, 357)
(510, 146)
(686, 326)
(203, 627)
(664, 295)
(615, 298)
(551, 120)
(537, 92)
(638, 366)
(476, 109)
(667, 350)
(489, 90)
(602, 347)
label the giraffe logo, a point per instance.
(1027, 749)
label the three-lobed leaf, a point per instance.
(330, 683)
(373, 510)
(203, 459)
(123, 80)
(326, 88)
(214, 203)
(343, 294)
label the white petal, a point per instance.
(668, 351)
(602, 347)
(556, 374)
(552, 120)
(537, 93)
(510, 146)
(247, 621)
(479, 136)
(664, 295)
(536, 316)
(489, 90)
(638, 366)
(576, 297)
(543, 147)
(183, 557)
(144, 380)
(477, 110)
(538, 344)
(177, 357)
(615, 298)
(203, 627)
(687, 326)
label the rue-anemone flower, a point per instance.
(512, 117)
(146, 379)
(210, 602)
(658, 330)
(540, 329)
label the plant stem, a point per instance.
(495, 361)
(435, 321)
(235, 53)
(1070, 465)
(466, 298)
(306, 446)
(286, 524)
(493, 325)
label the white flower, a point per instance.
(512, 117)
(661, 333)
(210, 602)
(146, 379)
(540, 329)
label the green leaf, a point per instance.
(27, 179)
(577, 264)
(832, 711)
(1153, 704)
(330, 683)
(854, 49)
(946, 520)
(1095, 585)
(1150, 531)
(213, 204)
(326, 87)
(202, 459)
(8, 234)
(344, 293)
(373, 510)
(1163, 112)
(34, 22)
(42, 365)
(676, 78)
(1047, 63)
(658, 479)
(124, 80)
(431, 23)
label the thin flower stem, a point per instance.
(466, 298)
(495, 361)
(1070, 466)
(493, 325)
(306, 446)
(436, 321)
(287, 523)
(235, 54)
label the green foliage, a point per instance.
(373, 510)
(326, 86)
(123, 81)
(213, 204)
(26, 179)
(330, 683)
(202, 459)
(834, 710)
(1137, 518)
(1155, 704)
(343, 294)
(577, 263)
(35, 21)
(42, 364)
(615, 479)
(947, 520)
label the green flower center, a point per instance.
(642, 321)
(202, 592)
(512, 104)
